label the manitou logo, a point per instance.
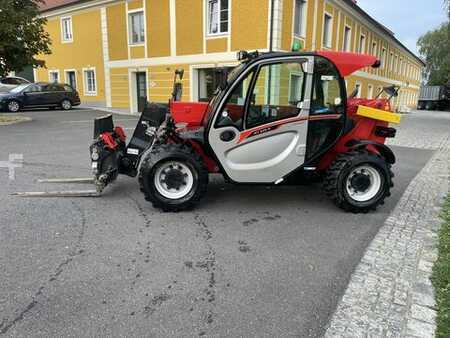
(15, 161)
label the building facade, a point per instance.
(120, 53)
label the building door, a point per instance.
(141, 90)
(71, 79)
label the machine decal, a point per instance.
(275, 125)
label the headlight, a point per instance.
(95, 156)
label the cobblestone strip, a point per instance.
(390, 293)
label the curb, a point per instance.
(390, 293)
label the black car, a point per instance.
(39, 95)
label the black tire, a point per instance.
(162, 154)
(66, 104)
(337, 178)
(429, 106)
(15, 104)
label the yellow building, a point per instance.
(119, 53)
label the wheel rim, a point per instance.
(363, 183)
(174, 180)
(66, 105)
(13, 106)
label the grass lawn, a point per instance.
(441, 276)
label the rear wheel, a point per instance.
(13, 106)
(358, 181)
(66, 104)
(173, 177)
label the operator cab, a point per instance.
(279, 112)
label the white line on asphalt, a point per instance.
(88, 121)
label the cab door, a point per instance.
(260, 131)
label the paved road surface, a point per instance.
(250, 261)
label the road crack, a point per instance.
(6, 325)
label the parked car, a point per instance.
(10, 82)
(39, 95)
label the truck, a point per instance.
(434, 98)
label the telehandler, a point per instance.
(275, 118)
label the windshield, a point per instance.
(19, 88)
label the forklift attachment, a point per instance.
(68, 180)
(68, 193)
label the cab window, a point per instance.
(232, 115)
(327, 95)
(277, 93)
(328, 101)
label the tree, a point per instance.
(22, 35)
(434, 46)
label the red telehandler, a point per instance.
(276, 118)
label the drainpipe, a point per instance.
(272, 5)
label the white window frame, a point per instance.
(208, 16)
(348, 41)
(53, 71)
(66, 78)
(85, 85)
(130, 27)
(362, 47)
(327, 44)
(303, 19)
(63, 35)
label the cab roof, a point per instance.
(347, 63)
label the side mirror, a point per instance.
(392, 91)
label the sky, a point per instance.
(408, 19)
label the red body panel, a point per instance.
(348, 63)
(364, 129)
(191, 113)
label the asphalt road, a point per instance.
(250, 261)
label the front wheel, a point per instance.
(173, 177)
(13, 106)
(66, 104)
(358, 181)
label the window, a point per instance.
(208, 80)
(217, 16)
(300, 18)
(53, 76)
(347, 37)
(359, 90)
(362, 44)
(33, 89)
(90, 86)
(295, 88)
(327, 30)
(66, 29)
(136, 27)
(233, 112)
(374, 49)
(383, 58)
(391, 62)
(327, 99)
(370, 91)
(395, 63)
(270, 100)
